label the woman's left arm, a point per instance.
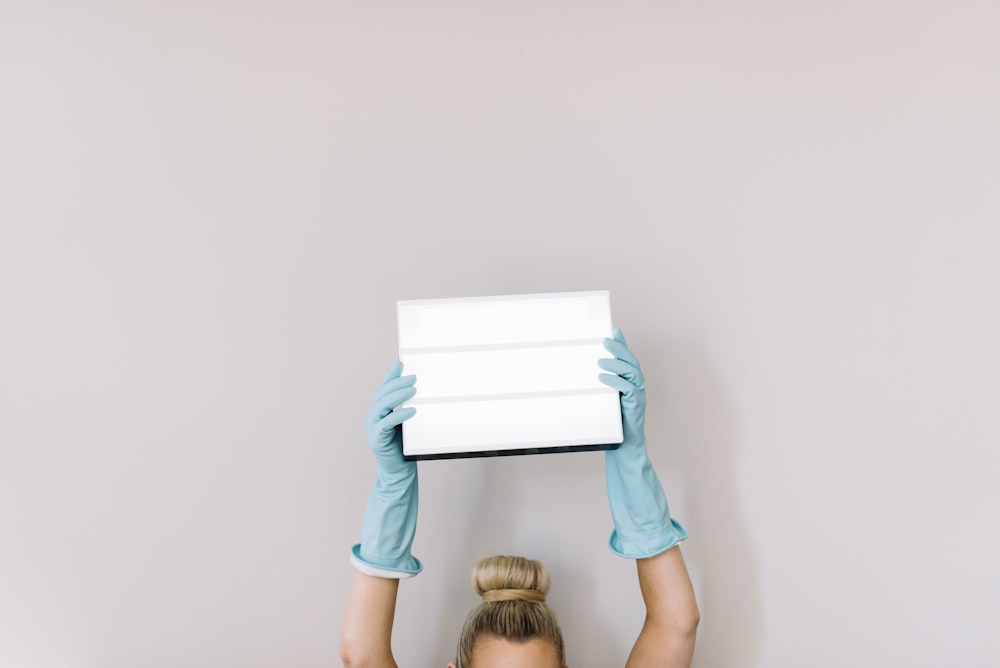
(644, 529)
(668, 633)
(367, 631)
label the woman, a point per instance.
(513, 626)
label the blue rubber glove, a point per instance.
(643, 526)
(391, 515)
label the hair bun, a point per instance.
(505, 578)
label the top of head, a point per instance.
(506, 578)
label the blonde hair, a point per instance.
(513, 608)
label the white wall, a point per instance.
(208, 210)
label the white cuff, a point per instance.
(376, 572)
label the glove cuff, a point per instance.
(389, 526)
(640, 545)
(399, 569)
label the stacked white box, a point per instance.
(512, 373)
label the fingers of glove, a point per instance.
(617, 335)
(625, 370)
(396, 418)
(394, 372)
(388, 402)
(388, 388)
(617, 383)
(621, 351)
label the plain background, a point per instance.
(209, 209)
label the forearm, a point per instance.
(365, 638)
(668, 634)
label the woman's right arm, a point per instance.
(383, 555)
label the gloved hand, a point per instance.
(391, 515)
(643, 526)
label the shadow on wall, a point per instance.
(703, 422)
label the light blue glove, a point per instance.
(643, 526)
(391, 515)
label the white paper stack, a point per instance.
(515, 373)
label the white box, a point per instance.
(512, 374)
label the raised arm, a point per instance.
(668, 634)
(644, 530)
(367, 631)
(383, 555)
